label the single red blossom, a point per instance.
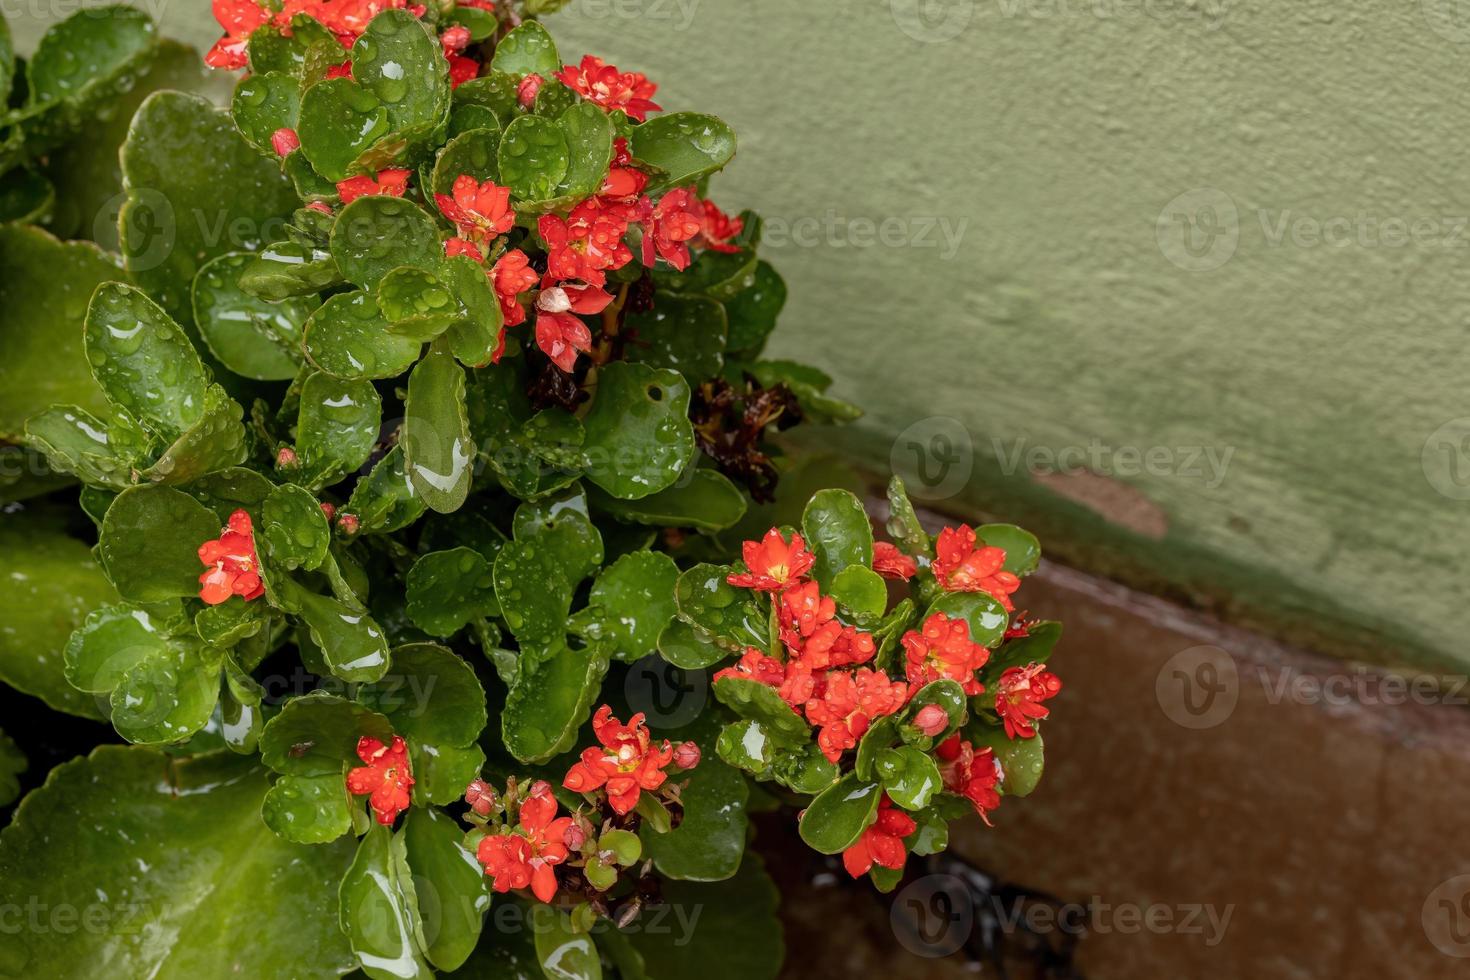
(239, 18)
(675, 221)
(628, 762)
(560, 333)
(602, 84)
(848, 704)
(717, 228)
(1019, 629)
(461, 69)
(529, 855)
(455, 39)
(1019, 695)
(480, 797)
(511, 276)
(284, 140)
(528, 89)
(772, 563)
(931, 719)
(882, 843)
(795, 684)
(970, 773)
(458, 246)
(348, 18)
(231, 563)
(586, 243)
(942, 649)
(889, 562)
(960, 566)
(480, 211)
(340, 70)
(386, 778)
(389, 183)
(624, 183)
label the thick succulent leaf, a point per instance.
(150, 540)
(77, 442)
(560, 524)
(682, 333)
(294, 529)
(1021, 759)
(551, 698)
(450, 885)
(631, 603)
(308, 809)
(702, 499)
(861, 593)
(376, 234)
(400, 63)
(1023, 551)
(336, 428)
(352, 644)
(909, 776)
(727, 616)
(535, 594)
(379, 912)
(837, 817)
(437, 450)
(527, 50)
(195, 823)
(86, 51)
(838, 532)
(385, 499)
(473, 152)
(215, 441)
(565, 953)
(710, 841)
(533, 158)
(283, 270)
(431, 696)
(340, 121)
(264, 103)
(638, 435)
(903, 523)
(688, 648)
(316, 735)
(751, 313)
(348, 338)
(987, 617)
(683, 146)
(446, 590)
(759, 702)
(252, 337)
(142, 360)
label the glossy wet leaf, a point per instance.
(631, 603)
(231, 621)
(759, 702)
(527, 50)
(751, 313)
(533, 158)
(684, 146)
(316, 735)
(737, 935)
(142, 360)
(339, 122)
(273, 49)
(378, 909)
(385, 500)
(77, 442)
(336, 429)
(84, 50)
(250, 336)
(473, 152)
(376, 234)
(1023, 551)
(987, 617)
(559, 524)
(702, 499)
(348, 337)
(947, 694)
(551, 698)
(476, 336)
(804, 769)
(437, 449)
(861, 592)
(283, 270)
(308, 809)
(215, 441)
(727, 616)
(565, 953)
(195, 824)
(589, 136)
(111, 641)
(263, 104)
(149, 543)
(26, 195)
(684, 333)
(399, 62)
(903, 523)
(441, 772)
(352, 643)
(226, 491)
(535, 593)
(448, 589)
(494, 91)
(709, 842)
(909, 776)
(837, 818)
(687, 648)
(836, 529)
(638, 436)
(294, 528)
(450, 886)
(1036, 647)
(416, 304)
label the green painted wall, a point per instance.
(1156, 227)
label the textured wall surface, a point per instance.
(1213, 251)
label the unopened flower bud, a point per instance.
(287, 459)
(575, 837)
(321, 207)
(456, 39)
(330, 510)
(686, 755)
(931, 719)
(284, 140)
(526, 92)
(480, 797)
(348, 524)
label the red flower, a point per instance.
(387, 777)
(284, 140)
(624, 183)
(627, 763)
(455, 39)
(717, 228)
(390, 183)
(962, 567)
(480, 797)
(528, 856)
(601, 83)
(342, 70)
(1019, 695)
(232, 564)
(239, 18)
(676, 220)
(479, 211)
(461, 69)
(848, 704)
(1019, 629)
(772, 564)
(889, 562)
(808, 627)
(586, 243)
(529, 88)
(458, 246)
(511, 276)
(792, 681)
(559, 333)
(973, 775)
(881, 843)
(943, 649)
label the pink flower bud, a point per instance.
(348, 524)
(480, 797)
(526, 92)
(284, 140)
(686, 755)
(320, 207)
(575, 838)
(287, 459)
(931, 719)
(330, 510)
(455, 39)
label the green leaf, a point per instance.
(752, 312)
(948, 695)
(167, 695)
(294, 528)
(560, 524)
(710, 841)
(353, 645)
(308, 809)
(683, 333)
(473, 152)
(1021, 759)
(838, 817)
(284, 270)
(493, 90)
(378, 909)
(861, 592)
(336, 429)
(1023, 551)
(416, 304)
(385, 500)
(686, 648)
(527, 50)
(804, 769)
(317, 733)
(1034, 648)
(565, 954)
(215, 442)
(759, 702)
(399, 62)
(987, 617)
(348, 338)
(77, 442)
(180, 152)
(226, 491)
(729, 617)
(684, 146)
(376, 234)
(476, 337)
(231, 621)
(632, 602)
(638, 435)
(450, 886)
(250, 336)
(551, 698)
(43, 297)
(909, 776)
(533, 158)
(903, 523)
(534, 592)
(340, 121)
(837, 531)
(271, 49)
(446, 590)
(702, 499)
(143, 361)
(85, 50)
(431, 697)
(149, 543)
(185, 816)
(442, 772)
(111, 642)
(264, 103)
(437, 449)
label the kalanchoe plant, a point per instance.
(395, 487)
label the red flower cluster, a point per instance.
(889, 562)
(848, 703)
(385, 780)
(479, 211)
(960, 566)
(528, 856)
(240, 18)
(231, 562)
(882, 842)
(1019, 695)
(628, 762)
(597, 81)
(943, 649)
